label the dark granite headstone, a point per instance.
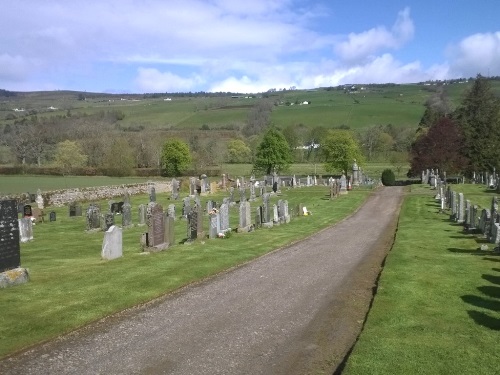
(52, 216)
(32, 198)
(10, 253)
(27, 211)
(117, 207)
(109, 220)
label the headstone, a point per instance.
(231, 194)
(152, 194)
(156, 226)
(275, 186)
(39, 199)
(52, 216)
(93, 217)
(276, 219)
(224, 217)
(171, 211)
(242, 195)
(214, 227)
(266, 211)
(28, 212)
(283, 214)
(201, 232)
(116, 207)
(192, 186)
(78, 210)
(186, 206)
(258, 217)
(10, 253)
(252, 192)
(72, 210)
(245, 217)
(112, 246)
(175, 190)
(25, 229)
(109, 221)
(343, 184)
(142, 214)
(192, 225)
(126, 215)
(484, 222)
(169, 231)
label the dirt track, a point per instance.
(293, 311)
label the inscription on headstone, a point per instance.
(156, 225)
(10, 254)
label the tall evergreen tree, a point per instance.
(479, 119)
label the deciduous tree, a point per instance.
(69, 155)
(176, 157)
(273, 153)
(339, 149)
(441, 147)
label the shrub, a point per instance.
(388, 178)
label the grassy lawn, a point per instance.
(437, 309)
(22, 183)
(71, 286)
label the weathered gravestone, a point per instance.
(109, 221)
(175, 190)
(25, 229)
(192, 225)
(39, 199)
(126, 215)
(214, 227)
(152, 194)
(112, 243)
(258, 217)
(343, 184)
(484, 222)
(276, 219)
(93, 217)
(169, 231)
(52, 216)
(171, 211)
(245, 221)
(186, 207)
(155, 237)
(142, 214)
(284, 216)
(75, 210)
(38, 215)
(266, 211)
(224, 217)
(10, 251)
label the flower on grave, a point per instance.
(221, 235)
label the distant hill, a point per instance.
(353, 106)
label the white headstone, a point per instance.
(112, 244)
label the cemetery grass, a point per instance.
(17, 184)
(437, 308)
(70, 286)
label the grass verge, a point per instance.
(437, 308)
(71, 286)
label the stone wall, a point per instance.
(60, 198)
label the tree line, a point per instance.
(460, 141)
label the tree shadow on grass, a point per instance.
(469, 251)
(490, 291)
(493, 259)
(485, 320)
(481, 302)
(492, 279)
(496, 269)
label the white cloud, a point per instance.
(14, 68)
(478, 53)
(152, 80)
(359, 46)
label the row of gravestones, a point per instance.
(485, 222)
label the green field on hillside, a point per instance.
(400, 105)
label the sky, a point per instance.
(246, 46)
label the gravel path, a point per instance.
(251, 320)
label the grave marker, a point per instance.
(10, 251)
(112, 247)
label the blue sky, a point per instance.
(137, 46)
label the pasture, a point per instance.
(399, 105)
